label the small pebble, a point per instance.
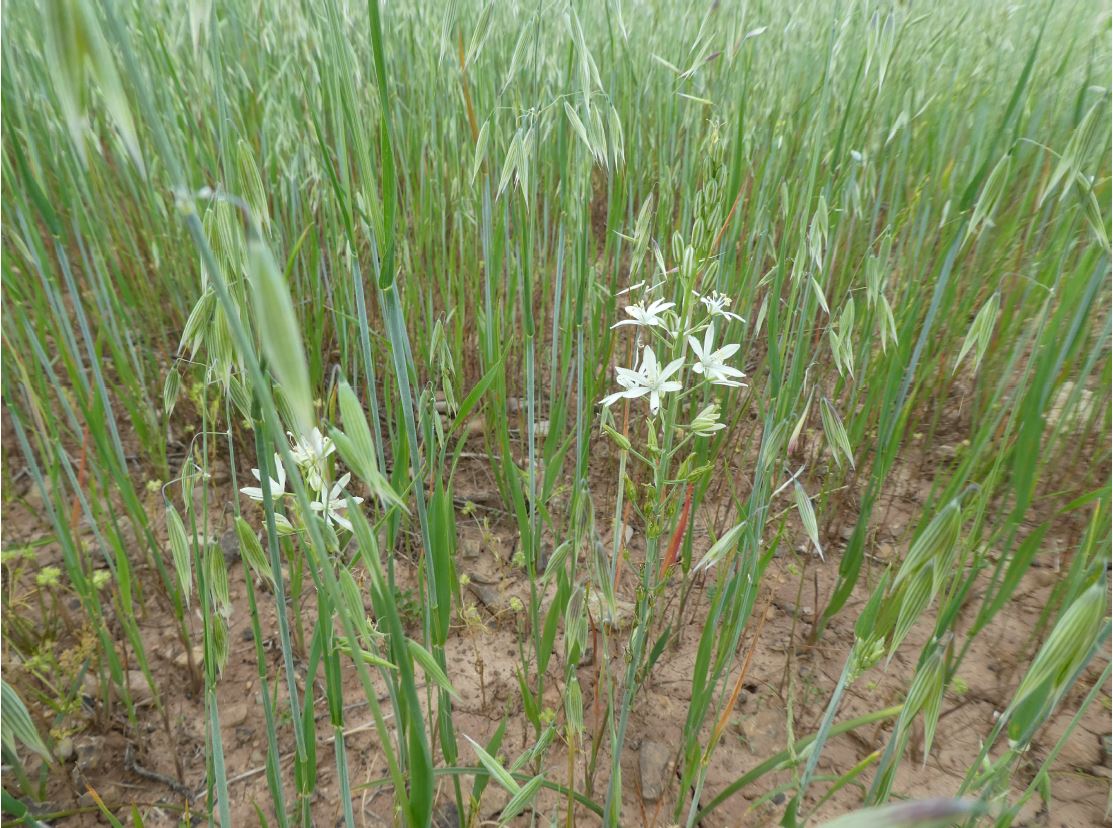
(230, 546)
(654, 761)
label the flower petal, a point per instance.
(341, 521)
(672, 368)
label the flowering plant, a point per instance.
(647, 378)
(311, 453)
(682, 365)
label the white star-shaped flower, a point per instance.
(649, 379)
(278, 487)
(646, 317)
(333, 503)
(310, 452)
(711, 362)
(717, 304)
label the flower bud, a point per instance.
(707, 421)
(623, 442)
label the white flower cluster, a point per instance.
(649, 379)
(311, 454)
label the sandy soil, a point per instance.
(483, 655)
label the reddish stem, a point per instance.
(678, 535)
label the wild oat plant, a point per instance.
(556, 413)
